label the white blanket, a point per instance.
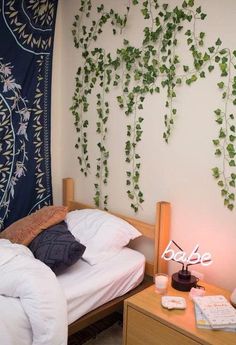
(42, 299)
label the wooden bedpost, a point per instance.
(162, 236)
(68, 191)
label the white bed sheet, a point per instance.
(87, 287)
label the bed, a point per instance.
(158, 233)
(78, 296)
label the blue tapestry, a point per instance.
(26, 44)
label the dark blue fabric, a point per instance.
(57, 247)
(26, 32)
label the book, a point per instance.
(215, 311)
(201, 320)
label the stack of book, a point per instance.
(215, 312)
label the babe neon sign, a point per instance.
(182, 257)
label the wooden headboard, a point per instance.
(158, 232)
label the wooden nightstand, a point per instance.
(146, 322)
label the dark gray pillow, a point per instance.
(57, 247)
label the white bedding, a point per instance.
(32, 303)
(85, 287)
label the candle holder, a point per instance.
(161, 282)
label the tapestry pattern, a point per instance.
(27, 31)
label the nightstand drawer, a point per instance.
(144, 330)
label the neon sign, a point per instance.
(182, 257)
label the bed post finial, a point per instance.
(68, 191)
(162, 236)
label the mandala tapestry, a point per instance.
(26, 43)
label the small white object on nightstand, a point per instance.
(161, 282)
(173, 302)
(233, 298)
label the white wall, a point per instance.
(179, 172)
(57, 113)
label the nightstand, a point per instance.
(146, 322)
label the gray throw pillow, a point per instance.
(57, 247)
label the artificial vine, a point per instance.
(153, 67)
(103, 112)
(224, 143)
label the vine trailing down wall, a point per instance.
(152, 68)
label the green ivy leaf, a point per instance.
(218, 152)
(217, 112)
(210, 68)
(216, 142)
(232, 163)
(165, 6)
(233, 176)
(223, 192)
(206, 57)
(188, 81)
(189, 41)
(226, 201)
(188, 33)
(193, 78)
(230, 147)
(191, 3)
(222, 134)
(185, 68)
(219, 120)
(215, 172)
(221, 85)
(202, 35)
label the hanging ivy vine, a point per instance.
(224, 143)
(152, 68)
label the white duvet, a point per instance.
(42, 300)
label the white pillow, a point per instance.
(103, 234)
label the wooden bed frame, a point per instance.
(158, 233)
